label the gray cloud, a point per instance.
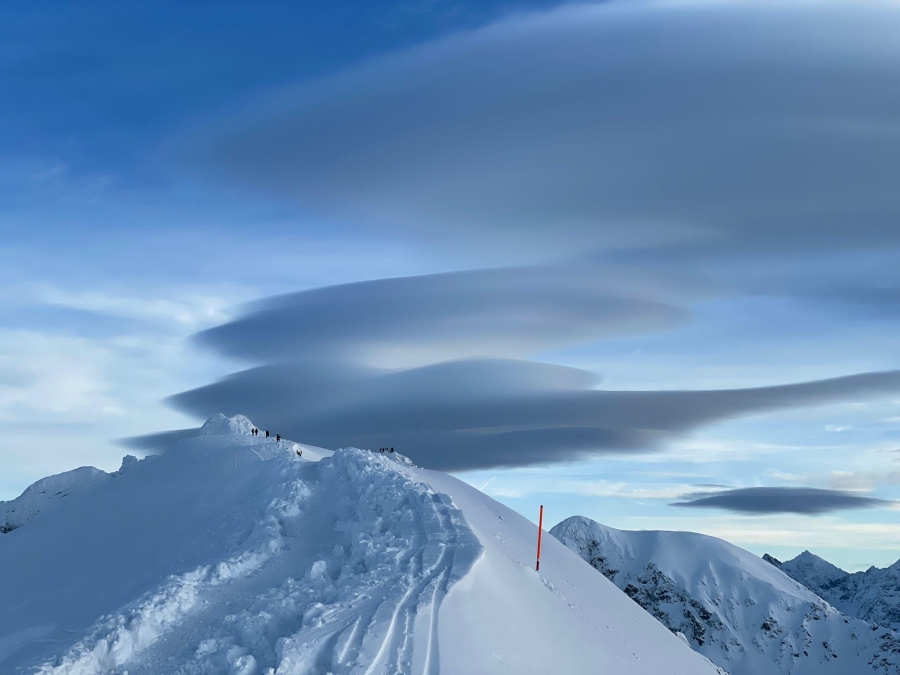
(765, 500)
(158, 442)
(677, 130)
(418, 320)
(737, 126)
(443, 406)
(489, 413)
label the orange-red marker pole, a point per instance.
(537, 566)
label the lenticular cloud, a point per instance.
(459, 411)
(716, 127)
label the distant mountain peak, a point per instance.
(812, 571)
(738, 610)
(873, 595)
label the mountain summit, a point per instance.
(812, 571)
(873, 595)
(233, 554)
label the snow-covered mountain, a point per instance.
(48, 494)
(233, 554)
(738, 610)
(52, 492)
(811, 571)
(873, 595)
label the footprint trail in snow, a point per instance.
(349, 599)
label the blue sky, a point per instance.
(670, 197)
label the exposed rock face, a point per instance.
(738, 610)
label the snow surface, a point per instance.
(219, 425)
(48, 494)
(873, 595)
(232, 554)
(740, 611)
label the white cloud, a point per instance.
(191, 307)
(837, 429)
(525, 486)
(64, 399)
(784, 530)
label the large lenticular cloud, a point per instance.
(728, 126)
(511, 312)
(686, 132)
(459, 412)
(803, 500)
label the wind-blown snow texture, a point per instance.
(873, 595)
(48, 494)
(232, 554)
(733, 607)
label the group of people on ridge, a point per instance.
(255, 432)
(385, 449)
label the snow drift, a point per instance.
(233, 554)
(732, 606)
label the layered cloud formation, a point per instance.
(458, 411)
(719, 127)
(756, 141)
(511, 312)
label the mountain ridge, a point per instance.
(872, 595)
(736, 609)
(231, 554)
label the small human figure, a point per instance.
(392, 449)
(267, 433)
(278, 438)
(299, 452)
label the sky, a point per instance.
(633, 260)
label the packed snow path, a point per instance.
(231, 554)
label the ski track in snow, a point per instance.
(232, 555)
(356, 609)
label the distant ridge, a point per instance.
(738, 610)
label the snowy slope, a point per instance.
(873, 595)
(48, 494)
(232, 554)
(735, 608)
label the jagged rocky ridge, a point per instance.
(731, 606)
(873, 595)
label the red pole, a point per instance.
(537, 566)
